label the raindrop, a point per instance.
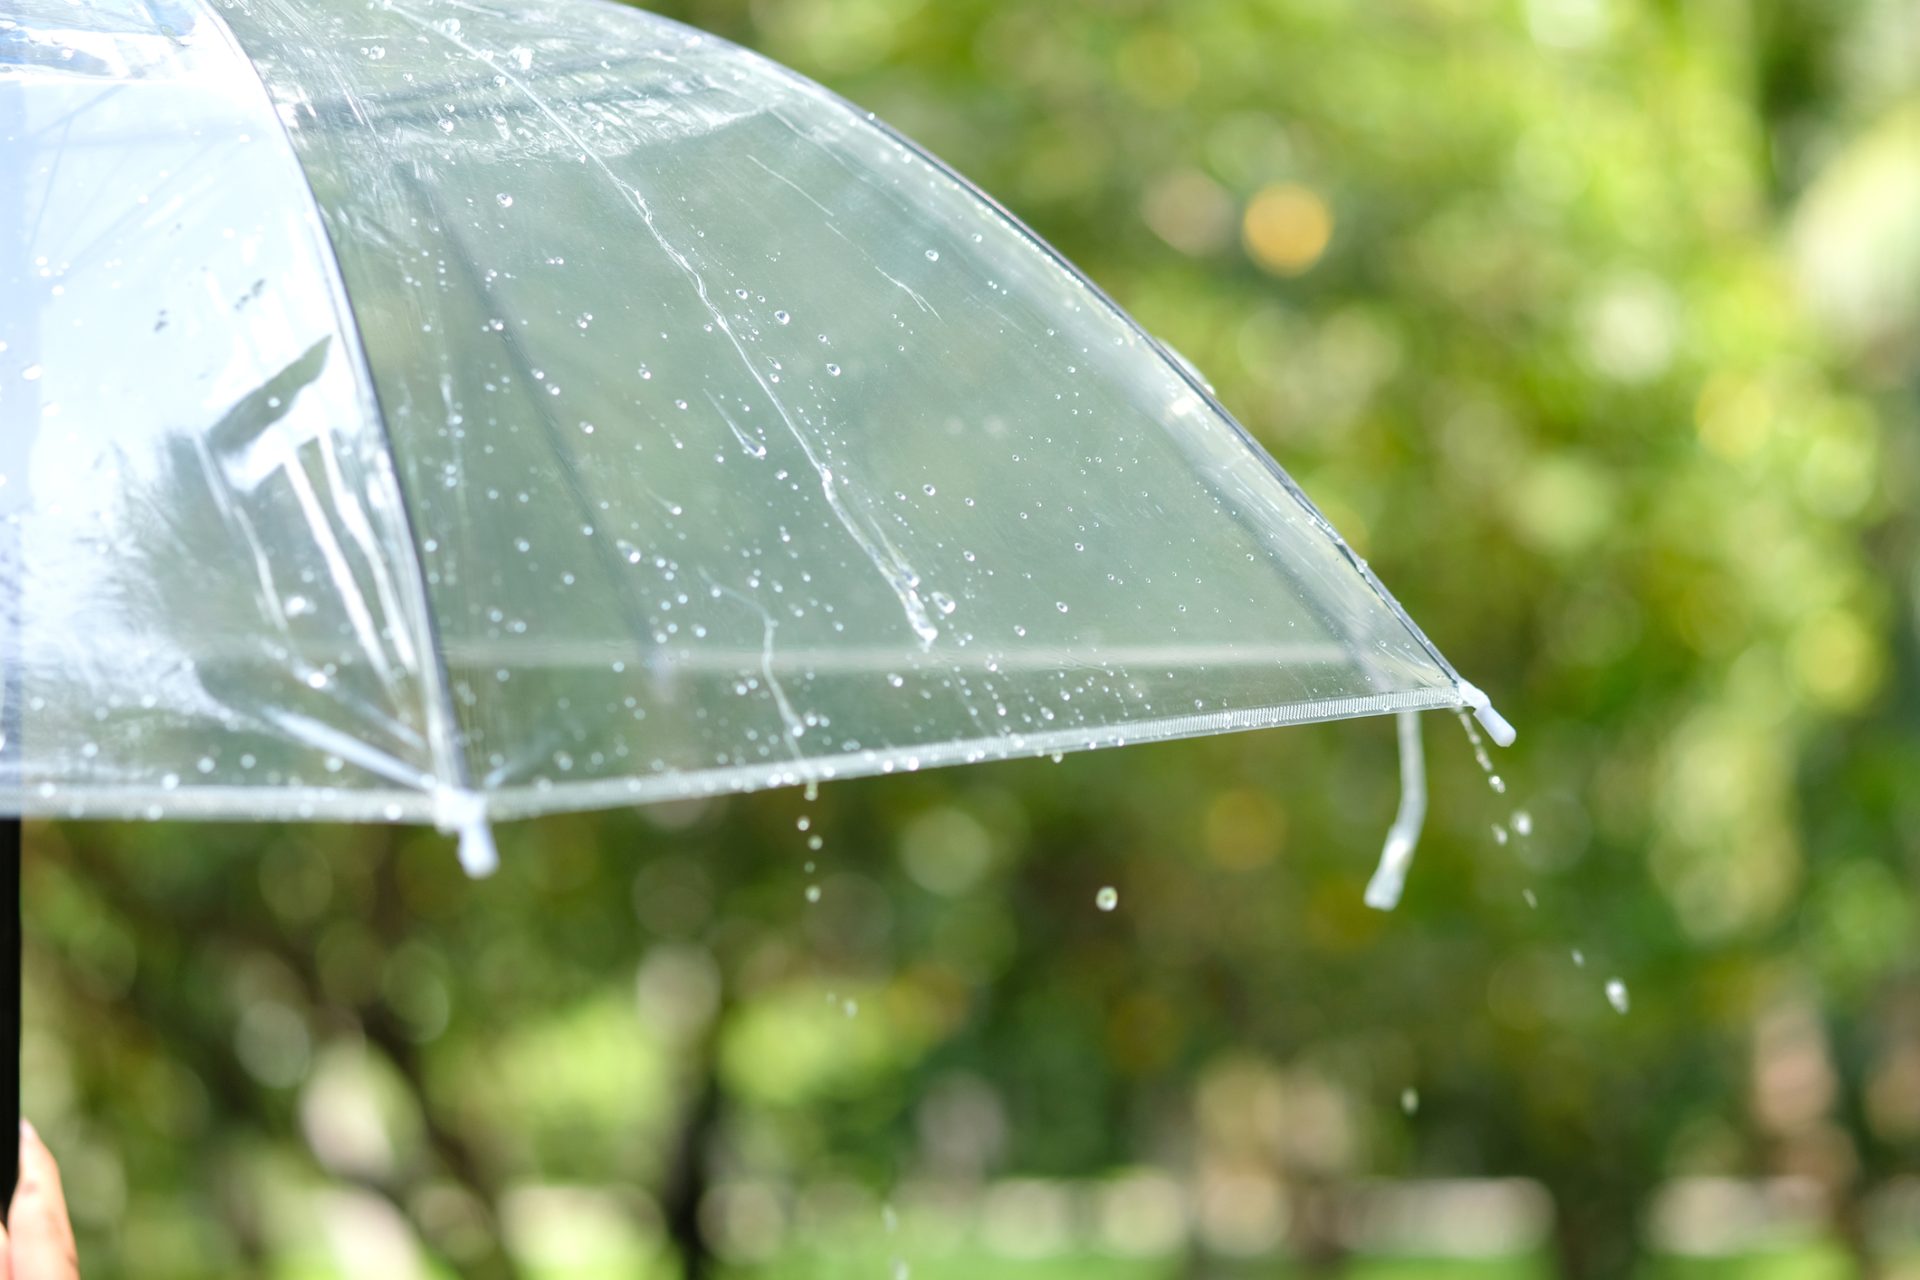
(1480, 755)
(850, 1007)
(933, 255)
(1409, 1100)
(1579, 958)
(896, 680)
(813, 893)
(296, 606)
(1522, 823)
(814, 841)
(1107, 899)
(1498, 784)
(32, 373)
(506, 201)
(1530, 899)
(1061, 605)
(1499, 834)
(812, 791)
(943, 602)
(901, 1271)
(782, 317)
(1617, 995)
(833, 371)
(803, 822)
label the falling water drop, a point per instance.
(850, 1007)
(1531, 901)
(1480, 755)
(812, 791)
(803, 822)
(1579, 958)
(1617, 995)
(1499, 834)
(1409, 1100)
(1522, 823)
(813, 893)
(814, 842)
(32, 373)
(1107, 899)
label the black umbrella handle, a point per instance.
(10, 1004)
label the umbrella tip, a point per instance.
(1492, 721)
(464, 814)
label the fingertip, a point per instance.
(36, 1162)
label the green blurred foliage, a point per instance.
(1595, 326)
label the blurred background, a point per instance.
(1595, 326)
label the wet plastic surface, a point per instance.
(688, 431)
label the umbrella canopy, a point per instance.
(443, 411)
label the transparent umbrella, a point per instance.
(445, 412)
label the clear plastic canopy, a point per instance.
(415, 411)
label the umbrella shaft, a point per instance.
(10, 1003)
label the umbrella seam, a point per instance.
(444, 737)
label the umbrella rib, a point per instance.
(444, 737)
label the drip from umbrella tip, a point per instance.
(464, 814)
(1383, 891)
(1492, 721)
